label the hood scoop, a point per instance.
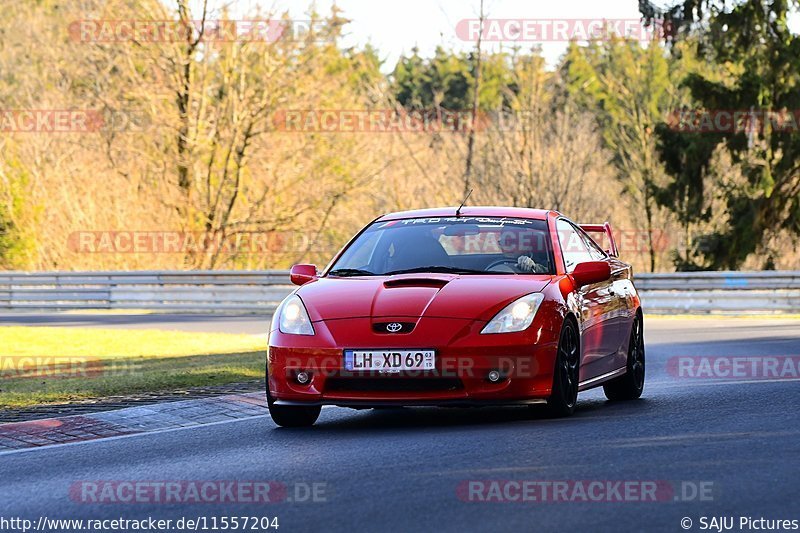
(434, 283)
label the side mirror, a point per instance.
(591, 272)
(302, 274)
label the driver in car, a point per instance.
(517, 250)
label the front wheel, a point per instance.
(292, 416)
(564, 397)
(630, 385)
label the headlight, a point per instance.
(516, 316)
(294, 317)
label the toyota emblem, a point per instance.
(394, 327)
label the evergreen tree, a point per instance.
(759, 58)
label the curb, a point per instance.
(130, 421)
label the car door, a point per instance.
(597, 304)
(617, 312)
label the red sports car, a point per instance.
(468, 306)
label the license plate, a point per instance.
(389, 360)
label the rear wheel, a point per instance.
(292, 416)
(630, 385)
(564, 397)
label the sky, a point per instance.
(394, 27)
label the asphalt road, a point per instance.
(399, 470)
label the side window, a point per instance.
(573, 247)
(594, 250)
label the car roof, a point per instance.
(472, 211)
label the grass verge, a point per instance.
(40, 365)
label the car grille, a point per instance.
(392, 384)
(383, 327)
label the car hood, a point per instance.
(477, 297)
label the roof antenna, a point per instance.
(458, 211)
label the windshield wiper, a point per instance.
(436, 269)
(345, 272)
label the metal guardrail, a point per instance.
(192, 291)
(261, 291)
(767, 292)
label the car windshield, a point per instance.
(459, 245)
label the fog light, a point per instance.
(494, 376)
(302, 378)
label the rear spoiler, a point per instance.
(604, 228)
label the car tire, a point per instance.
(630, 385)
(292, 416)
(564, 396)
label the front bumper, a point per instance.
(464, 359)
